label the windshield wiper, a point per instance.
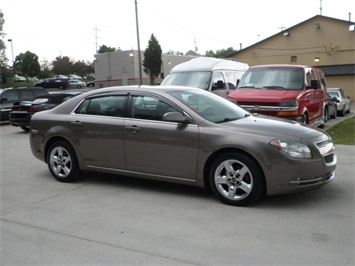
(274, 87)
(246, 87)
(227, 119)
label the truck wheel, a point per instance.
(304, 119)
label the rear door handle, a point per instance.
(133, 128)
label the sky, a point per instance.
(76, 28)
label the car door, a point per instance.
(96, 126)
(8, 97)
(312, 102)
(157, 147)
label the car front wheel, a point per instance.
(236, 179)
(62, 162)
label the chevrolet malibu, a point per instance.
(184, 135)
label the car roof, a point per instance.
(280, 66)
(209, 64)
(21, 88)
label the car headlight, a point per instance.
(289, 104)
(291, 149)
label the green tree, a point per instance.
(152, 59)
(46, 71)
(82, 68)
(62, 65)
(107, 49)
(223, 53)
(27, 63)
(3, 58)
(4, 70)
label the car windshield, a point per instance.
(196, 79)
(211, 107)
(333, 94)
(273, 78)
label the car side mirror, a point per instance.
(176, 117)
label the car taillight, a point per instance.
(32, 109)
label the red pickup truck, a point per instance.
(295, 92)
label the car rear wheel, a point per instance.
(25, 128)
(62, 162)
(325, 115)
(236, 179)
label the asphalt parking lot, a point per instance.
(105, 219)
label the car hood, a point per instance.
(263, 95)
(274, 127)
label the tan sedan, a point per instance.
(183, 135)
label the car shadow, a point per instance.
(134, 183)
(310, 199)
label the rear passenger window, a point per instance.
(104, 106)
(39, 92)
(10, 96)
(26, 95)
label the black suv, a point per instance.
(61, 84)
(11, 95)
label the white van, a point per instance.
(219, 76)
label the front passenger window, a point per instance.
(150, 108)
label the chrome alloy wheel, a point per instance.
(233, 180)
(60, 162)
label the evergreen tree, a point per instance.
(152, 59)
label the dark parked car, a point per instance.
(90, 84)
(21, 112)
(184, 135)
(61, 84)
(11, 95)
(330, 108)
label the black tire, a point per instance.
(242, 184)
(62, 162)
(304, 118)
(342, 112)
(334, 114)
(25, 128)
(79, 86)
(325, 115)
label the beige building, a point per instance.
(319, 41)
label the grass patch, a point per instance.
(344, 132)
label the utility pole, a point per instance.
(96, 37)
(139, 47)
(320, 9)
(13, 61)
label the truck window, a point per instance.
(218, 79)
(273, 78)
(197, 79)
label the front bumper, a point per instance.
(288, 175)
